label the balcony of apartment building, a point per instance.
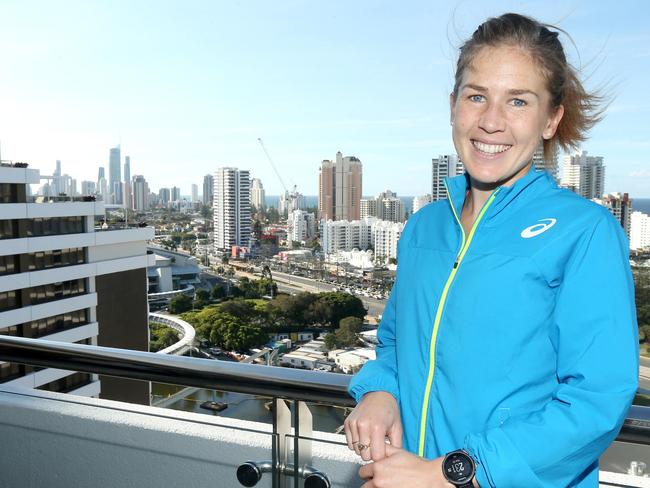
(57, 440)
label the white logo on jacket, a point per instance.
(537, 229)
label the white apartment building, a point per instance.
(258, 197)
(386, 206)
(63, 279)
(208, 188)
(301, 226)
(194, 192)
(232, 208)
(384, 239)
(620, 206)
(550, 165)
(140, 194)
(639, 231)
(421, 201)
(584, 174)
(290, 201)
(381, 235)
(341, 235)
(444, 166)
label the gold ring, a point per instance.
(363, 446)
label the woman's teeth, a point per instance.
(490, 148)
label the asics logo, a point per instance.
(537, 229)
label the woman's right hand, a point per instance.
(375, 417)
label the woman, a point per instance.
(507, 352)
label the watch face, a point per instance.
(458, 467)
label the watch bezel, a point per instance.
(472, 463)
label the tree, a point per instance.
(331, 307)
(218, 291)
(201, 298)
(180, 303)
(345, 335)
(228, 331)
(162, 336)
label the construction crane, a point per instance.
(268, 156)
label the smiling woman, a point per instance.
(502, 360)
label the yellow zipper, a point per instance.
(441, 304)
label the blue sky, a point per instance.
(186, 87)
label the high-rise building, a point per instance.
(114, 176)
(444, 166)
(421, 201)
(548, 165)
(368, 207)
(231, 208)
(620, 206)
(301, 226)
(175, 194)
(387, 206)
(340, 188)
(344, 235)
(88, 188)
(140, 194)
(165, 196)
(385, 236)
(102, 185)
(127, 196)
(127, 168)
(195, 193)
(102, 188)
(258, 198)
(208, 190)
(61, 280)
(290, 201)
(584, 174)
(639, 231)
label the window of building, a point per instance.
(56, 291)
(8, 229)
(10, 371)
(55, 226)
(9, 193)
(9, 300)
(56, 258)
(8, 264)
(56, 323)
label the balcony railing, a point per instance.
(291, 448)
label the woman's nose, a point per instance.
(492, 118)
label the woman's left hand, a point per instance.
(401, 468)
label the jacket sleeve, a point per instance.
(381, 374)
(597, 371)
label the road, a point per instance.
(290, 284)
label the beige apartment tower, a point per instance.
(339, 188)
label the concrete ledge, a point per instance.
(58, 441)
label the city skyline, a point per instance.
(185, 91)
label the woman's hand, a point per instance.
(401, 468)
(375, 417)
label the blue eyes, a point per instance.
(515, 102)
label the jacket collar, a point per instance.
(458, 186)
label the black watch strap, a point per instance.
(467, 485)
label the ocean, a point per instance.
(638, 204)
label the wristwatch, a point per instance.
(459, 468)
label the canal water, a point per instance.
(242, 406)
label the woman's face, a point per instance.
(500, 115)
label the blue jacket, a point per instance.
(517, 342)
